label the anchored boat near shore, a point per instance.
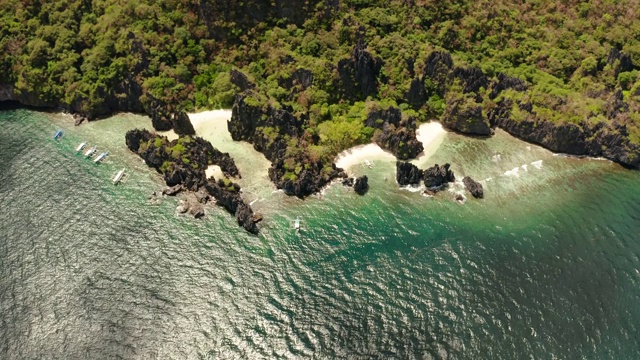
(58, 135)
(120, 176)
(91, 151)
(101, 157)
(297, 224)
(80, 147)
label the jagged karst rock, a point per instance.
(474, 187)
(615, 105)
(624, 60)
(181, 124)
(466, 116)
(300, 77)
(253, 122)
(348, 181)
(434, 177)
(228, 196)
(239, 79)
(169, 159)
(397, 134)
(164, 117)
(135, 137)
(437, 68)
(361, 185)
(416, 95)
(504, 82)
(438, 175)
(408, 174)
(472, 79)
(359, 73)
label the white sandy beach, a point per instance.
(430, 134)
(253, 166)
(358, 154)
(215, 171)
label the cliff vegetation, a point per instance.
(323, 75)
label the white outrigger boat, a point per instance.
(368, 163)
(119, 177)
(297, 224)
(101, 157)
(80, 147)
(91, 151)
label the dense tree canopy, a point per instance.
(325, 58)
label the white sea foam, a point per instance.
(496, 158)
(525, 167)
(537, 164)
(512, 173)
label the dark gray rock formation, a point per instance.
(438, 175)
(474, 187)
(361, 185)
(408, 174)
(464, 115)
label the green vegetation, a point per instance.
(83, 54)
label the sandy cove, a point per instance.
(430, 135)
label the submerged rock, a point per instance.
(474, 187)
(197, 210)
(348, 182)
(173, 190)
(361, 185)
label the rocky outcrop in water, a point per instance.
(408, 174)
(438, 175)
(272, 131)
(361, 185)
(434, 177)
(182, 163)
(227, 195)
(474, 187)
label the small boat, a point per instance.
(101, 157)
(91, 151)
(368, 163)
(118, 177)
(80, 147)
(297, 224)
(58, 135)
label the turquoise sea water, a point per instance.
(546, 266)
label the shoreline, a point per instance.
(430, 134)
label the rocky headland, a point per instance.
(278, 134)
(182, 163)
